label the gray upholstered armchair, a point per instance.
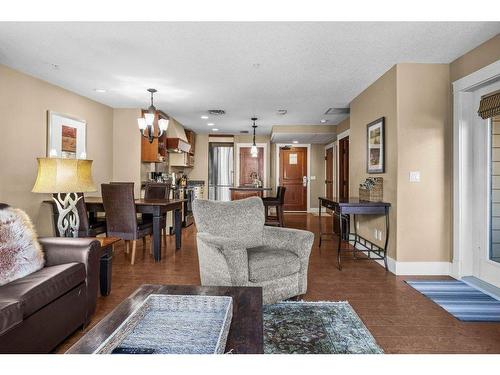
(236, 249)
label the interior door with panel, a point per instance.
(293, 176)
(329, 173)
(343, 183)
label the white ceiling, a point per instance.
(304, 67)
(303, 138)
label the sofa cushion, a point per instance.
(10, 314)
(265, 263)
(42, 287)
(20, 252)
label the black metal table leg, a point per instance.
(105, 271)
(339, 248)
(319, 221)
(178, 228)
(157, 235)
(355, 235)
(386, 237)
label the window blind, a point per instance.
(489, 105)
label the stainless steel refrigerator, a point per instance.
(220, 171)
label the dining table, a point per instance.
(157, 208)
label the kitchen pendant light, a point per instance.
(147, 122)
(254, 151)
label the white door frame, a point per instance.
(332, 145)
(344, 134)
(470, 192)
(278, 146)
(266, 161)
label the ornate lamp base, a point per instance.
(68, 221)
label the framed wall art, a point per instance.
(375, 146)
(66, 136)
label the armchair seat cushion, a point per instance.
(10, 314)
(265, 263)
(42, 287)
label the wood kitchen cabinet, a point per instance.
(191, 138)
(157, 150)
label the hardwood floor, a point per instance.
(401, 319)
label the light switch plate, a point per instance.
(415, 176)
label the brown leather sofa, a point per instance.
(39, 311)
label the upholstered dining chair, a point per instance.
(119, 204)
(236, 249)
(278, 201)
(157, 190)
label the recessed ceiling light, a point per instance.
(323, 121)
(210, 124)
(295, 142)
(215, 129)
(99, 90)
(204, 117)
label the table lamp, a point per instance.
(69, 176)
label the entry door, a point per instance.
(344, 168)
(486, 194)
(249, 165)
(293, 176)
(329, 172)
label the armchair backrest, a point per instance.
(242, 220)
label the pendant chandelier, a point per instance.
(254, 151)
(146, 123)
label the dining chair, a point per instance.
(278, 201)
(157, 190)
(90, 226)
(119, 204)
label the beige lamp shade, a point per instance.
(56, 175)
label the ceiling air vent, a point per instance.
(216, 112)
(337, 111)
(244, 131)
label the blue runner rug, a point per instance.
(460, 300)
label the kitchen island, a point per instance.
(242, 192)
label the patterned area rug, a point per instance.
(316, 328)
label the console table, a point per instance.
(354, 206)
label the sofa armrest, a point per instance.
(60, 250)
(295, 240)
(234, 252)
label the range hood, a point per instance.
(176, 138)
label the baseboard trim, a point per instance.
(313, 210)
(415, 268)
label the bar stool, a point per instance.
(277, 202)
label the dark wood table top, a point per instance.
(141, 202)
(354, 202)
(245, 333)
(251, 188)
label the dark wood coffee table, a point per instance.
(245, 334)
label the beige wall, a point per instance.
(378, 100)
(24, 102)
(425, 145)
(200, 169)
(344, 125)
(481, 56)
(317, 186)
(127, 147)
(415, 101)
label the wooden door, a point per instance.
(293, 171)
(249, 165)
(329, 173)
(344, 168)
